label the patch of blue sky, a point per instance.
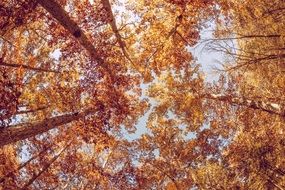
(24, 154)
(141, 128)
(56, 54)
(205, 57)
(186, 135)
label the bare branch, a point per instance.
(45, 168)
(2, 63)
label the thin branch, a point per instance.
(24, 164)
(45, 168)
(244, 37)
(269, 107)
(2, 63)
(256, 61)
(161, 46)
(108, 8)
(275, 184)
(166, 174)
(32, 110)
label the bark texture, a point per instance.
(15, 133)
(64, 19)
(270, 107)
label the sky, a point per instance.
(207, 59)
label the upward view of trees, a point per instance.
(101, 94)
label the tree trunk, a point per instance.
(269, 107)
(64, 19)
(23, 131)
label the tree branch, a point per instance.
(2, 63)
(64, 19)
(45, 168)
(108, 8)
(24, 164)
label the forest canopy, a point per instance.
(112, 94)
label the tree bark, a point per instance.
(18, 132)
(269, 107)
(31, 111)
(64, 19)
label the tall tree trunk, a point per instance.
(64, 19)
(269, 107)
(23, 131)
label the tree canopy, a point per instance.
(101, 94)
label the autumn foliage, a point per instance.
(113, 95)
